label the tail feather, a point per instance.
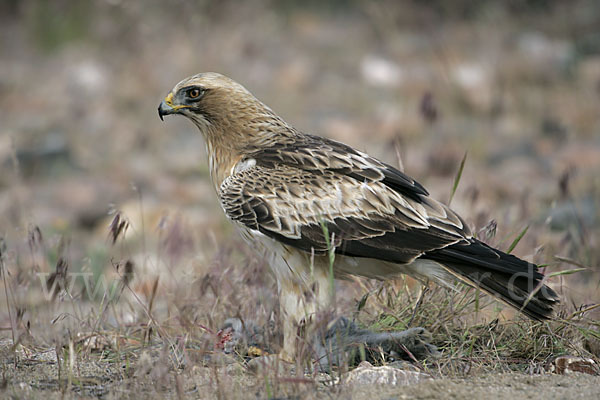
(514, 281)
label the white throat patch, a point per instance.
(243, 165)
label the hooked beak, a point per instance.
(167, 107)
(164, 109)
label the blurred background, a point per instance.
(515, 85)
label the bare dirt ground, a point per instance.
(100, 379)
(87, 314)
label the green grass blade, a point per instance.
(362, 302)
(517, 240)
(331, 254)
(566, 272)
(457, 178)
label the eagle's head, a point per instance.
(212, 101)
(233, 122)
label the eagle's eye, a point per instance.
(194, 93)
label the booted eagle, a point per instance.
(295, 196)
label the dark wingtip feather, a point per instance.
(514, 281)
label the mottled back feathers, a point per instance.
(371, 208)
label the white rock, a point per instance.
(470, 75)
(367, 374)
(378, 71)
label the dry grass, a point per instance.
(130, 302)
(132, 331)
(142, 334)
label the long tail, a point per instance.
(502, 275)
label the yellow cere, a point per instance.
(169, 101)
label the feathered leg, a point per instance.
(300, 301)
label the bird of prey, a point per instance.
(297, 197)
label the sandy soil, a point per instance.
(39, 379)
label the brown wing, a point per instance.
(317, 154)
(365, 214)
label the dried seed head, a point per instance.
(118, 226)
(128, 272)
(34, 237)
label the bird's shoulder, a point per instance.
(320, 155)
